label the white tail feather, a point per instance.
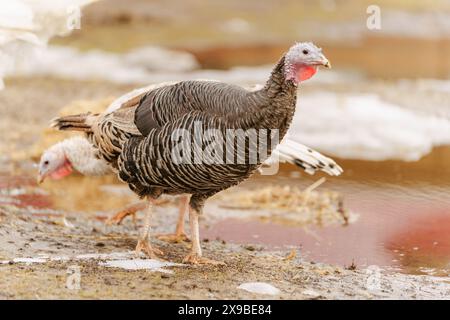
(290, 151)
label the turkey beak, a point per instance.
(40, 178)
(324, 61)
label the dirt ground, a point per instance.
(40, 246)
(57, 249)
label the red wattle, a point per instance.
(306, 72)
(62, 172)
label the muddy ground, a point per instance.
(57, 241)
(58, 247)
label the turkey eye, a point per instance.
(305, 51)
(46, 163)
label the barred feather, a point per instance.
(306, 158)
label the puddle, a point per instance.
(10, 182)
(88, 195)
(404, 218)
(33, 200)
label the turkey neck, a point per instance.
(273, 105)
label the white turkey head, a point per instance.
(54, 164)
(302, 60)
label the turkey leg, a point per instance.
(179, 235)
(144, 244)
(195, 257)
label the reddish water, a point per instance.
(17, 190)
(404, 219)
(390, 233)
(7, 181)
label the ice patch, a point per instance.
(29, 260)
(68, 224)
(141, 264)
(311, 293)
(260, 287)
(124, 260)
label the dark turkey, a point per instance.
(172, 139)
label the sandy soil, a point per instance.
(58, 238)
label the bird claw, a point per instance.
(130, 210)
(118, 217)
(173, 237)
(196, 259)
(144, 246)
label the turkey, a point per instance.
(78, 154)
(168, 140)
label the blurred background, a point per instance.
(222, 34)
(382, 112)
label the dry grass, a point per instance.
(294, 205)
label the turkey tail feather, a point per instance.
(306, 158)
(80, 122)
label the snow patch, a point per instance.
(29, 260)
(26, 27)
(260, 288)
(141, 264)
(311, 293)
(137, 66)
(124, 260)
(363, 126)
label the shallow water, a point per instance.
(404, 218)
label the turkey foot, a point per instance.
(144, 244)
(127, 211)
(197, 259)
(118, 217)
(145, 247)
(173, 237)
